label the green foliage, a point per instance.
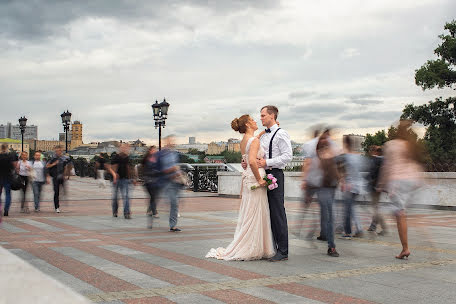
(297, 151)
(378, 139)
(201, 155)
(440, 73)
(232, 157)
(439, 117)
(185, 159)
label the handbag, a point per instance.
(16, 182)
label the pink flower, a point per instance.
(276, 186)
(274, 180)
(271, 187)
(270, 176)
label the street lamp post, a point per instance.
(66, 121)
(22, 126)
(160, 115)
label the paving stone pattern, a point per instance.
(114, 260)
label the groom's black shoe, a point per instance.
(278, 257)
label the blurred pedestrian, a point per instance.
(151, 173)
(311, 176)
(171, 178)
(38, 178)
(23, 168)
(351, 187)
(327, 190)
(100, 167)
(7, 165)
(375, 163)
(400, 177)
(122, 174)
(56, 169)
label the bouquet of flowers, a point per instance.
(271, 182)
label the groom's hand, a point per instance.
(243, 164)
(261, 163)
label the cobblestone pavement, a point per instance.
(114, 260)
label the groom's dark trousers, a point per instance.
(279, 223)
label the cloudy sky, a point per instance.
(347, 63)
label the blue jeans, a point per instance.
(37, 186)
(326, 199)
(350, 213)
(122, 184)
(5, 184)
(171, 190)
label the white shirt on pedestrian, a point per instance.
(282, 153)
(38, 167)
(24, 167)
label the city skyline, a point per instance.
(350, 64)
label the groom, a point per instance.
(276, 142)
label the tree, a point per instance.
(232, 157)
(183, 158)
(378, 139)
(201, 154)
(438, 116)
(440, 73)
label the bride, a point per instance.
(253, 236)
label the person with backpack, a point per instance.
(38, 176)
(56, 169)
(7, 165)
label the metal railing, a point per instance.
(203, 177)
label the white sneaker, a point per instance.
(57, 210)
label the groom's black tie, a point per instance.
(268, 130)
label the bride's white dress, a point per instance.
(253, 236)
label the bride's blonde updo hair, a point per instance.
(240, 124)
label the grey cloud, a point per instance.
(372, 116)
(360, 96)
(44, 18)
(364, 102)
(309, 95)
(319, 108)
(302, 94)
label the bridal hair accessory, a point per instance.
(271, 182)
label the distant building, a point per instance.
(357, 141)
(137, 143)
(216, 148)
(49, 145)
(14, 131)
(234, 145)
(187, 147)
(15, 145)
(191, 140)
(62, 136)
(3, 131)
(76, 130)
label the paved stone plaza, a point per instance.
(113, 260)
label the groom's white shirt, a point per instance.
(282, 153)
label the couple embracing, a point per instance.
(262, 229)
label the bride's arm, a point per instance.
(253, 152)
